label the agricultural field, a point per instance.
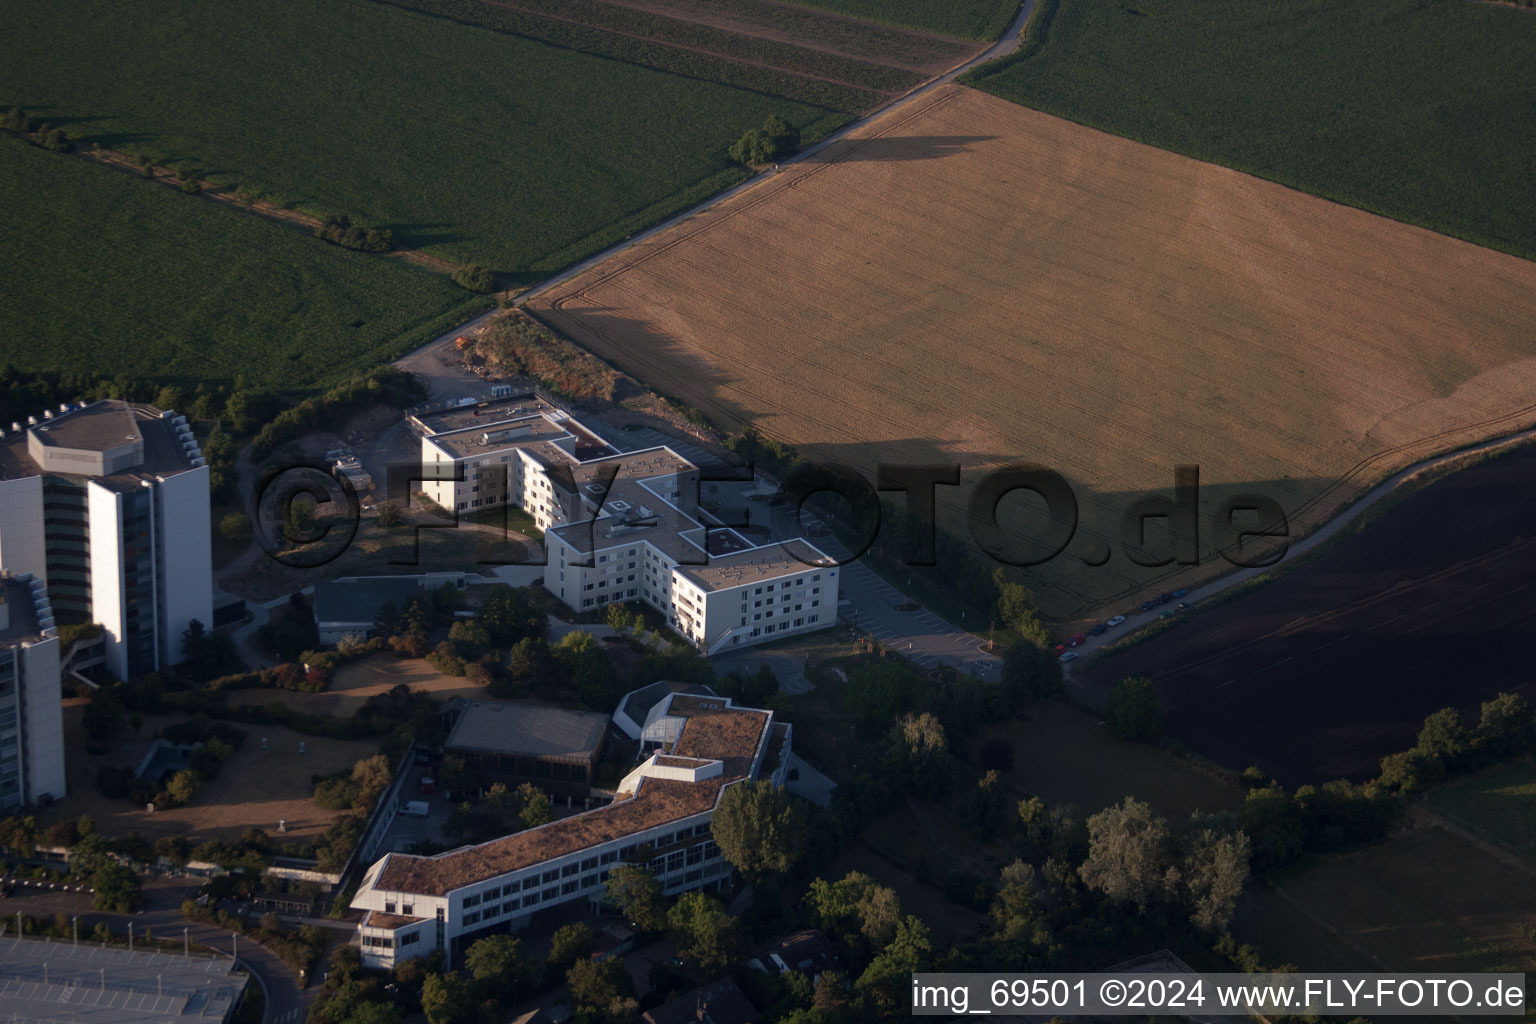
(971, 19)
(1425, 900)
(967, 281)
(107, 270)
(1498, 805)
(1420, 110)
(796, 53)
(468, 144)
(1322, 672)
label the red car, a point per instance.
(1060, 648)
(1077, 638)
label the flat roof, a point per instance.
(713, 731)
(770, 561)
(21, 611)
(638, 703)
(503, 727)
(472, 410)
(92, 984)
(91, 428)
(360, 600)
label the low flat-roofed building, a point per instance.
(556, 749)
(92, 984)
(623, 526)
(416, 904)
(352, 607)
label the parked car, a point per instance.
(1069, 656)
(1076, 639)
(1162, 598)
(1181, 592)
(1148, 605)
(1112, 623)
(1183, 606)
(1099, 630)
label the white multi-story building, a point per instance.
(107, 503)
(700, 744)
(623, 527)
(31, 713)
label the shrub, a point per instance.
(475, 278)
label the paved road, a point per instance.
(287, 1003)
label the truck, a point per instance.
(414, 808)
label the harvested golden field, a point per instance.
(969, 281)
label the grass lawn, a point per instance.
(1063, 755)
(1424, 900)
(469, 144)
(105, 270)
(968, 19)
(1421, 110)
(1498, 804)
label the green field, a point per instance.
(108, 271)
(1499, 805)
(1420, 110)
(470, 144)
(968, 19)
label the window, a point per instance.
(568, 870)
(549, 876)
(494, 892)
(589, 863)
(407, 908)
(471, 901)
(389, 908)
(570, 887)
(552, 893)
(530, 899)
(609, 857)
(472, 918)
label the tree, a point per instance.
(499, 966)
(589, 668)
(171, 397)
(759, 827)
(570, 944)
(1444, 737)
(1018, 893)
(372, 776)
(117, 889)
(1029, 673)
(389, 515)
(446, 999)
(235, 527)
(475, 278)
(888, 975)
(919, 754)
(1129, 854)
(1133, 711)
(184, 786)
(775, 139)
(511, 615)
(598, 984)
(1214, 869)
(986, 810)
(1506, 726)
(638, 896)
(537, 809)
(706, 934)
(1019, 611)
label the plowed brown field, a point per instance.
(970, 281)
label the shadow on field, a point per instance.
(417, 236)
(1324, 671)
(898, 148)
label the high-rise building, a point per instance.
(107, 503)
(31, 715)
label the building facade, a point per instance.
(31, 711)
(661, 820)
(623, 526)
(107, 503)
